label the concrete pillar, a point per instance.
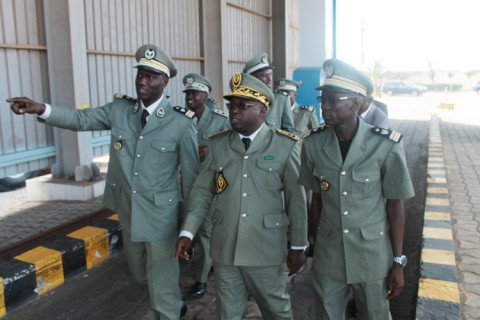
(316, 32)
(67, 64)
(279, 37)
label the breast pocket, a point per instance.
(163, 153)
(270, 174)
(120, 142)
(365, 184)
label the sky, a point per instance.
(405, 34)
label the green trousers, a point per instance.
(154, 267)
(265, 284)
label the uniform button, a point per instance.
(246, 157)
(170, 200)
(245, 175)
(244, 194)
(220, 168)
(120, 136)
(344, 193)
(134, 191)
(345, 213)
(196, 131)
(274, 123)
(163, 149)
(366, 180)
(277, 224)
(381, 233)
(343, 173)
(138, 156)
(321, 177)
(135, 174)
(141, 137)
(244, 215)
(345, 231)
(269, 169)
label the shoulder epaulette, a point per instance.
(310, 109)
(124, 96)
(288, 134)
(221, 113)
(392, 135)
(281, 92)
(316, 130)
(189, 113)
(212, 100)
(218, 133)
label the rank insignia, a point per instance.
(118, 145)
(392, 135)
(324, 185)
(221, 182)
(135, 109)
(295, 110)
(160, 113)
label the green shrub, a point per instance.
(441, 86)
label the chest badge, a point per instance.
(324, 185)
(118, 145)
(221, 182)
(160, 113)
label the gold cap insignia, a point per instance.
(221, 183)
(149, 54)
(236, 80)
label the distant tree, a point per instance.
(431, 71)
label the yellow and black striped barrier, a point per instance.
(446, 105)
(44, 268)
(438, 295)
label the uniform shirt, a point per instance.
(279, 115)
(353, 243)
(251, 214)
(304, 118)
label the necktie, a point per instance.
(246, 142)
(145, 114)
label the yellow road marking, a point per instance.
(2, 299)
(438, 256)
(431, 215)
(437, 202)
(436, 180)
(435, 171)
(437, 233)
(114, 217)
(437, 190)
(438, 290)
(96, 244)
(48, 267)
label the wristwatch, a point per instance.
(402, 260)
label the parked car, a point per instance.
(476, 86)
(402, 87)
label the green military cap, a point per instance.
(248, 87)
(194, 81)
(285, 84)
(257, 63)
(342, 77)
(152, 58)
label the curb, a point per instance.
(44, 268)
(438, 294)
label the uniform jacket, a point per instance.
(304, 118)
(376, 117)
(211, 122)
(142, 180)
(353, 242)
(250, 219)
(279, 115)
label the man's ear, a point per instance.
(165, 81)
(263, 111)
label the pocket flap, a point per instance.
(365, 176)
(167, 197)
(323, 229)
(115, 185)
(275, 220)
(220, 165)
(273, 121)
(270, 166)
(121, 134)
(322, 173)
(163, 146)
(217, 217)
(375, 231)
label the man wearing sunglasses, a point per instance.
(359, 177)
(253, 172)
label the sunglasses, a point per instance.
(331, 100)
(240, 106)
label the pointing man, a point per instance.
(149, 139)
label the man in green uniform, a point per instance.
(251, 170)
(149, 139)
(209, 121)
(304, 117)
(359, 175)
(279, 114)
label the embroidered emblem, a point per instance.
(149, 54)
(328, 71)
(236, 80)
(221, 182)
(118, 145)
(124, 96)
(288, 134)
(324, 185)
(160, 113)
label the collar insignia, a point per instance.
(135, 109)
(221, 182)
(160, 113)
